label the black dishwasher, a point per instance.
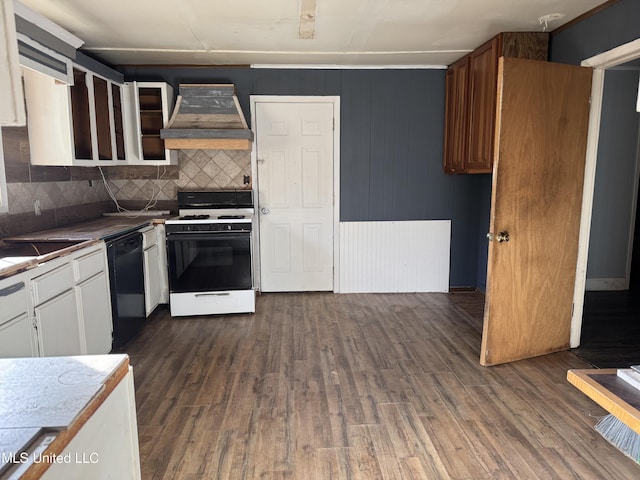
(126, 280)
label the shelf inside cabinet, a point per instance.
(150, 98)
(151, 122)
(153, 147)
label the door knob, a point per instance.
(264, 211)
(500, 237)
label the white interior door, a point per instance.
(294, 151)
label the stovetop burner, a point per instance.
(194, 217)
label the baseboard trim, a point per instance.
(603, 284)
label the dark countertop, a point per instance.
(97, 229)
(83, 234)
(45, 401)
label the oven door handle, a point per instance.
(212, 294)
(178, 237)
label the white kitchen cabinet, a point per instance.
(17, 338)
(55, 310)
(155, 268)
(43, 45)
(80, 124)
(17, 335)
(93, 299)
(11, 96)
(148, 109)
(152, 279)
(58, 328)
(94, 306)
(106, 446)
(61, 307)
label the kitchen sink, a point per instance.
(32, 249)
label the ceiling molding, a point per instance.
(349, 67)
(584, 16)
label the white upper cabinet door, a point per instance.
(12, 110)
(146, 111)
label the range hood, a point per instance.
(207, 117)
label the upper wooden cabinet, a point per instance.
(470, 105)
(456, 145)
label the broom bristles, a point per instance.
(620, 436)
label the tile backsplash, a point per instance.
(198, 169)
(47, 197)
(50, 195)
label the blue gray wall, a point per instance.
(616, 25)
(616, 180)
(392, 134)
(392, 127)
(613, 26)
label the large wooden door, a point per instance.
(294, 143)
(541, 131)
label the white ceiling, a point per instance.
(345, 32)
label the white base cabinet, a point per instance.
(94, 299)
(95, 309)
(61, 307)
(155, 268)
(17, 338)
(57, 324)
(17, 333)
(106, 447)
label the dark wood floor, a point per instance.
(324, 386)
(611, 329)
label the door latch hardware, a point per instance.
(500, 237)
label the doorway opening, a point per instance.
(607, 296)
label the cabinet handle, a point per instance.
(5, 292)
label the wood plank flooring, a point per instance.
(323, 386)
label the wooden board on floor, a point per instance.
(611, 393)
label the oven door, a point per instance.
(209, 262)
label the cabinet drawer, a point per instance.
(88, 265)
(13, 297)
(149, 238)
(52, 283)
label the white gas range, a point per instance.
(209, 253)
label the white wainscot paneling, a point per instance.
(395, 256)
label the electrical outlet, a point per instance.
(36, 207)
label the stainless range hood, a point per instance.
(207, 116)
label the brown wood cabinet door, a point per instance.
(483, 75)
(541, 130)
(456, 123)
